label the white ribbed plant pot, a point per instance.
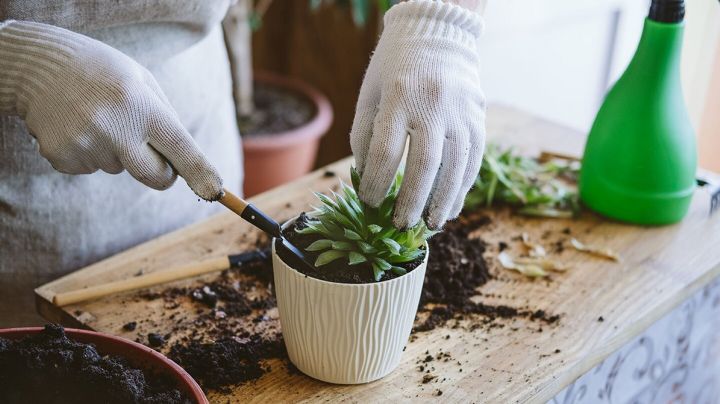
(346, 333)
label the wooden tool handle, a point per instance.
(250, 213)
(233, 202)
(143, 281)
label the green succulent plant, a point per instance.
(351, 230)
(538, 189)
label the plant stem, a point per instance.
(238, 39)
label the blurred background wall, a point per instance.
(553, 58)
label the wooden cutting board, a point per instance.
(514, 363)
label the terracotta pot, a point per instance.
(137, 355)
(274, 159)
(346, 333)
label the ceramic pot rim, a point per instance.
(340, 284)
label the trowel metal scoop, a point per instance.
(257, 218)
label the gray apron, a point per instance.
(53, 223)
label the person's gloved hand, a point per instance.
(422, 82)
(92, 107)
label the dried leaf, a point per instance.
(534, 249)
(544, 263)
(600, 252)
(506, 261)
(540, 211)
(530, 270)
(546, 156)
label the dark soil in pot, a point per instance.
(277, 110)
(337, 271)
(49, 367)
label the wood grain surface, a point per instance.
(515, 362)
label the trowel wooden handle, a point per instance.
(250, 213)
(157, 278)
(233, 202)
(265, 223)
(142, 281)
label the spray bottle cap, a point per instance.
(668, 11)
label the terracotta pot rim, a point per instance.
(316, 127)
(195, 391)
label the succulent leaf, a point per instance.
(355, 178)
(366, 248)
(328, 257)
(377, 272)
(320, 245)
(398, 270)
(538, 188)
(352, 235)
(355, 258)
(382, 264)
(408, 257)
(363, 234)
(392, 245)
(342, 245)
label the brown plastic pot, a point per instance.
(137, 355)
(275, 158)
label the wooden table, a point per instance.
(516, 363)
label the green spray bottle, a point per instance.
(640, 158)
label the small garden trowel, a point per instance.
(254, 216)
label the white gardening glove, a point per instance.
(91, 108)
(422, 82)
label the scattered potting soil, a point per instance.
(230, 330)
(337, 271)
(49, 367)
(456, 268)
(155, 340)
(232, 333)
(276, 110)
(227, 361)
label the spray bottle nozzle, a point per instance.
(668, 11)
